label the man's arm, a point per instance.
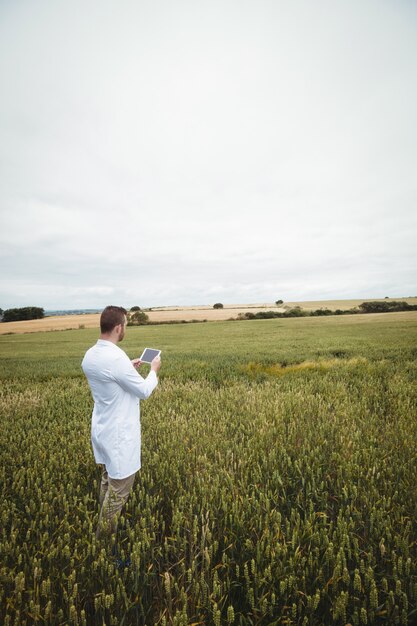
(132, 382)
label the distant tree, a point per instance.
(279, 301)
(218, 305)
(1, 311)
(24, 313)
(137, 318)
(135, 308)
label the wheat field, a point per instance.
(277, 482)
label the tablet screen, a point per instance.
(149, 354)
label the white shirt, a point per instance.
(116, 387)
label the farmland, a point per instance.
(176, 314)
(278, 483)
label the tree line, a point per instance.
(23, 313)
(375, 306)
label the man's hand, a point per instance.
(136, 363)
(156, 364)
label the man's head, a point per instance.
(113, 322)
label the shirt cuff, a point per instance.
(152, 374)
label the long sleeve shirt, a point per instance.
(116, 388)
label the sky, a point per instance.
(186, 152)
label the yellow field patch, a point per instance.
(277, 369)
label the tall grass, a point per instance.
(278, 483)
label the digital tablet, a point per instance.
(149, 354)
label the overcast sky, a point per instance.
(167, 152)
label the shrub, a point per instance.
(296, 312)
(218, 305)
(386, 307)
(322, 312)
(266, 315)
(137, 318)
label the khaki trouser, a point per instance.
(113, 494)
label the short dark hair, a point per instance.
(111, 317)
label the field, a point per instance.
(169, 313)
(278, 483)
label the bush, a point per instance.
(135, 308)
(218, 305)
(386, 307)
(137, 318)
(297, 311)
(266, 315)
(24, 313)
(322, 312)
(246, 316)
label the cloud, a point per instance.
(179, 150)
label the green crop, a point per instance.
(278, 480)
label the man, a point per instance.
(116, 388)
